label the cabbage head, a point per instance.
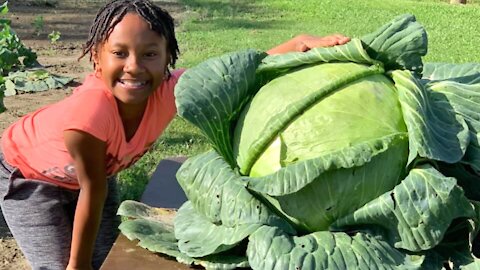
(357, 156)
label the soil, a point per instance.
(72, 18)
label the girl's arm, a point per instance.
(303, 43)
(88, 154)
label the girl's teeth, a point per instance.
(133, 84)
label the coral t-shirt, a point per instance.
(35, 143)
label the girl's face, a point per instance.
(132, 61)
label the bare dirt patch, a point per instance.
(72, 18)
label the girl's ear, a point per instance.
(169, 60)
(96, 61)
(95, 58)
(167, 69)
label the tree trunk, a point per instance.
(463, 2)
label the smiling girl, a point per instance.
(57, 184)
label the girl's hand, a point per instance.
(303, 43)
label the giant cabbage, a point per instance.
(357, 156)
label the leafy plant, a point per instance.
(33, 81)
(38, 24)
(15, 60)
(13, 54)
(350, 157)
(3, 11)
(54, 36)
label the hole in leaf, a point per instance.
(392, 195)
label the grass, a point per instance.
(179, 139)
(214, 27)
(217, 27)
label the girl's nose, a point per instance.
(133, 65)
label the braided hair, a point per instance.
(111, 14)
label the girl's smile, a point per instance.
(135, 86)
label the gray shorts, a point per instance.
(40, 217)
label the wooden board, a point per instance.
(126, 255)
(164, 191)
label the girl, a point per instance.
(57, 186)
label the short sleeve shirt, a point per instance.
(35, 144)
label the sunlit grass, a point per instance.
(216, 27)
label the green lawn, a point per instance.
(211, 28)
(216, 27)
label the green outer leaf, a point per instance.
(219, 193)
(399, 44)
(294, 177)
(152, 235)
(198, 237)
(134, 209)
(286, 114)
(463, 73)
(222, 262)
(270, 248)
(212, 94)
(416, 213)
(465, 100)
(353, 51)
(435, 131)
(156, 238)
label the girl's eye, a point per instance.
(118, 54)
(151, 54)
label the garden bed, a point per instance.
(59, 58)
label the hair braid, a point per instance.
(111, 14)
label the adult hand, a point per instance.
(307, 42)
(303, 43)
